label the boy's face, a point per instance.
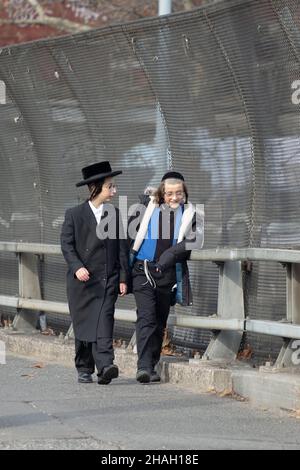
(174, 194)
(109, 189)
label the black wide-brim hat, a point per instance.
(96, 172)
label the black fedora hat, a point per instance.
(96, 172)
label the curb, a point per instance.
(267, 388)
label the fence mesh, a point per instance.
(213, 93)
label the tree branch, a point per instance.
(38, 8)
(188, 4)
(57, 23)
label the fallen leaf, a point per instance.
(238, 397)
(48, 332)
(226, 393)
(295, 414)
(39, 365)
(168, 351)
(167, 348)
(246, 353)
(166, 339)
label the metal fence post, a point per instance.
(287, 353)
(70, 333)
(164, 7)
(29, 287)
(225, 344)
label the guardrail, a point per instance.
(227, 325)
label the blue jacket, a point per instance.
(177, 255)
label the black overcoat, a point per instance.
(105, 259)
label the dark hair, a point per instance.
(95, 189)
(159, 195)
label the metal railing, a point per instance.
(228, 325)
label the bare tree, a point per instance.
(23, 20)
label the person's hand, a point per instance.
(82, 274)
(123, 289)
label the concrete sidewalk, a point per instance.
(265, 387)
(43, 407)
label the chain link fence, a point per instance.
(213, 93)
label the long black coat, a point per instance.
(107, 262)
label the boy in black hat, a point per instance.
(97, 273)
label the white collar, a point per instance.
(96, 210)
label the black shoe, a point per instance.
(154, 376)
(108, 373)
(143, 376)
(84, 378)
